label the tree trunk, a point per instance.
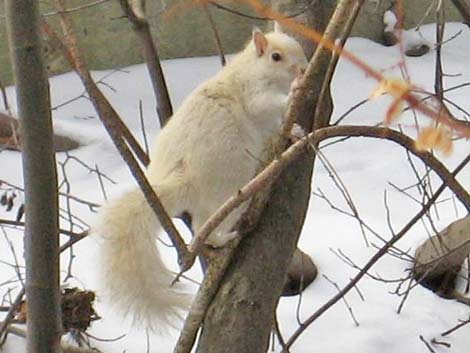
(40, 178)
(241, 315)
(313, 14)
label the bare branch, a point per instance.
(373, 260)
(115, 127)
(218, 42)
(272, 171)
(141, 28)
(461, 324)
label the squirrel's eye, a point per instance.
(276, 56)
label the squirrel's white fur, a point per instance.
(210, 148)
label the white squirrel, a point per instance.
(210, 148)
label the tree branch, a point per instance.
(273, 170)
(114, 127)
(141, 28)
(365, 269)
(41, 239)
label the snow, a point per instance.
(367, 167)
(390, 20)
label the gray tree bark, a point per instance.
(41, 237)
(241, 315)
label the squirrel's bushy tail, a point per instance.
(132, 271)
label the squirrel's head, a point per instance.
(277, 57)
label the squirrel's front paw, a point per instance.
(218, 240)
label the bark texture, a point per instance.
(39, 169)
(241, 315)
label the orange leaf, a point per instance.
(395, 87)
(435, 137)
(394, 111)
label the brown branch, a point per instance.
(273, 170)
(259, 18)
(61, 231)
(111, 121)
(462, 323)
(90, 204)
(14, 307)
(218, 42)
(141, 28)
(309, 89)
(436, 114)
(204, 296)
(427, 344)
(77, 8)
(302, 176)
(382, 251)
(325, 93)
(65, 347)
(75, 60)
(440, 27)
(385, 133)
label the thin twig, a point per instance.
(430, 111)
(65, 347)
(75, 59)
(273, 170)
(374, 258)
(77, 8)
(461, 324)
(259, 18)
(22, 224)
(428, 345)
(218, 42)
(141, 28)
(10, 316)
(114, 127)
(351, 313)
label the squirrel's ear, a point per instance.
(260, 41)
(277, 27)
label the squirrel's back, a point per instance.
(208, 150)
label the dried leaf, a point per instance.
(394, 111)
(437, 137)
(395, 87)
(76, 306)
(77, 309)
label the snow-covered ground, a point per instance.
(367, 167)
